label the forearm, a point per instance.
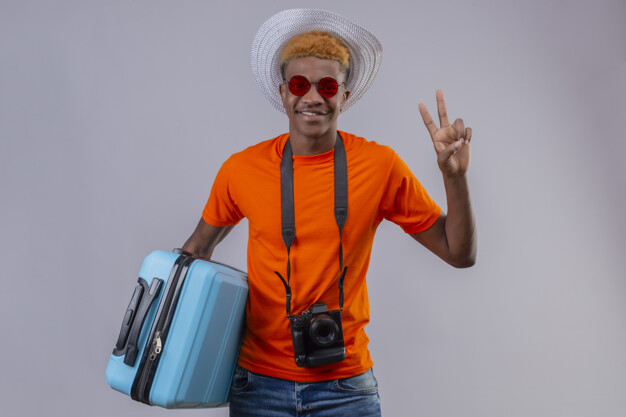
(460, 227)
(199, 249)
(453, 236)
(205, 238)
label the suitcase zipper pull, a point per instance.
(156, 346)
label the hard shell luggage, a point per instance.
(181, 333)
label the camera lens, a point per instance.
(323, 330)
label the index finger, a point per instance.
(428, 121)
(441, 108)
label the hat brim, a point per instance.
(273, 35)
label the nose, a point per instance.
(312, 96)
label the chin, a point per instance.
(313, 131)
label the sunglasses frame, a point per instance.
(320, 91)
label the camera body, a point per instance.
(317, 336)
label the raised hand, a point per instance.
(451, 141)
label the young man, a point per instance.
(314, 198)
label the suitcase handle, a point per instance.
(130, 315)
(134, 318)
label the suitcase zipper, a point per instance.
(161, 328)
(156, 346)
(135, 392)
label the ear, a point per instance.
(344, 98)
(283, 93)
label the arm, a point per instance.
(205, 238)
(452, 237)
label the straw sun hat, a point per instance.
(273, 35)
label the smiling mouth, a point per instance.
(310, 113)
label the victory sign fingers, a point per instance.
(448, 139)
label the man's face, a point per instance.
(312, 115)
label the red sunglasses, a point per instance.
(326, 87)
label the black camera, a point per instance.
(317, 336)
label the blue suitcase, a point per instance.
(180, 336)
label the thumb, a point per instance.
(447, 153)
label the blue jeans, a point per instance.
(255, 395)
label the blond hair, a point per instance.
(316, 43)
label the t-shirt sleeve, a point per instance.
(406, 202)
(221, 208)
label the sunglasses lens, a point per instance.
(327, 87)
(299, 86)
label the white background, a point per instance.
(115, 117)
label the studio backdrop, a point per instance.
(116, 116)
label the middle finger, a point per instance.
(441, 108)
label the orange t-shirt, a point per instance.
(380, 186)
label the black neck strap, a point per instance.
(288, 228)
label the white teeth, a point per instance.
(308, 113)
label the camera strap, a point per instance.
(288, 227)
